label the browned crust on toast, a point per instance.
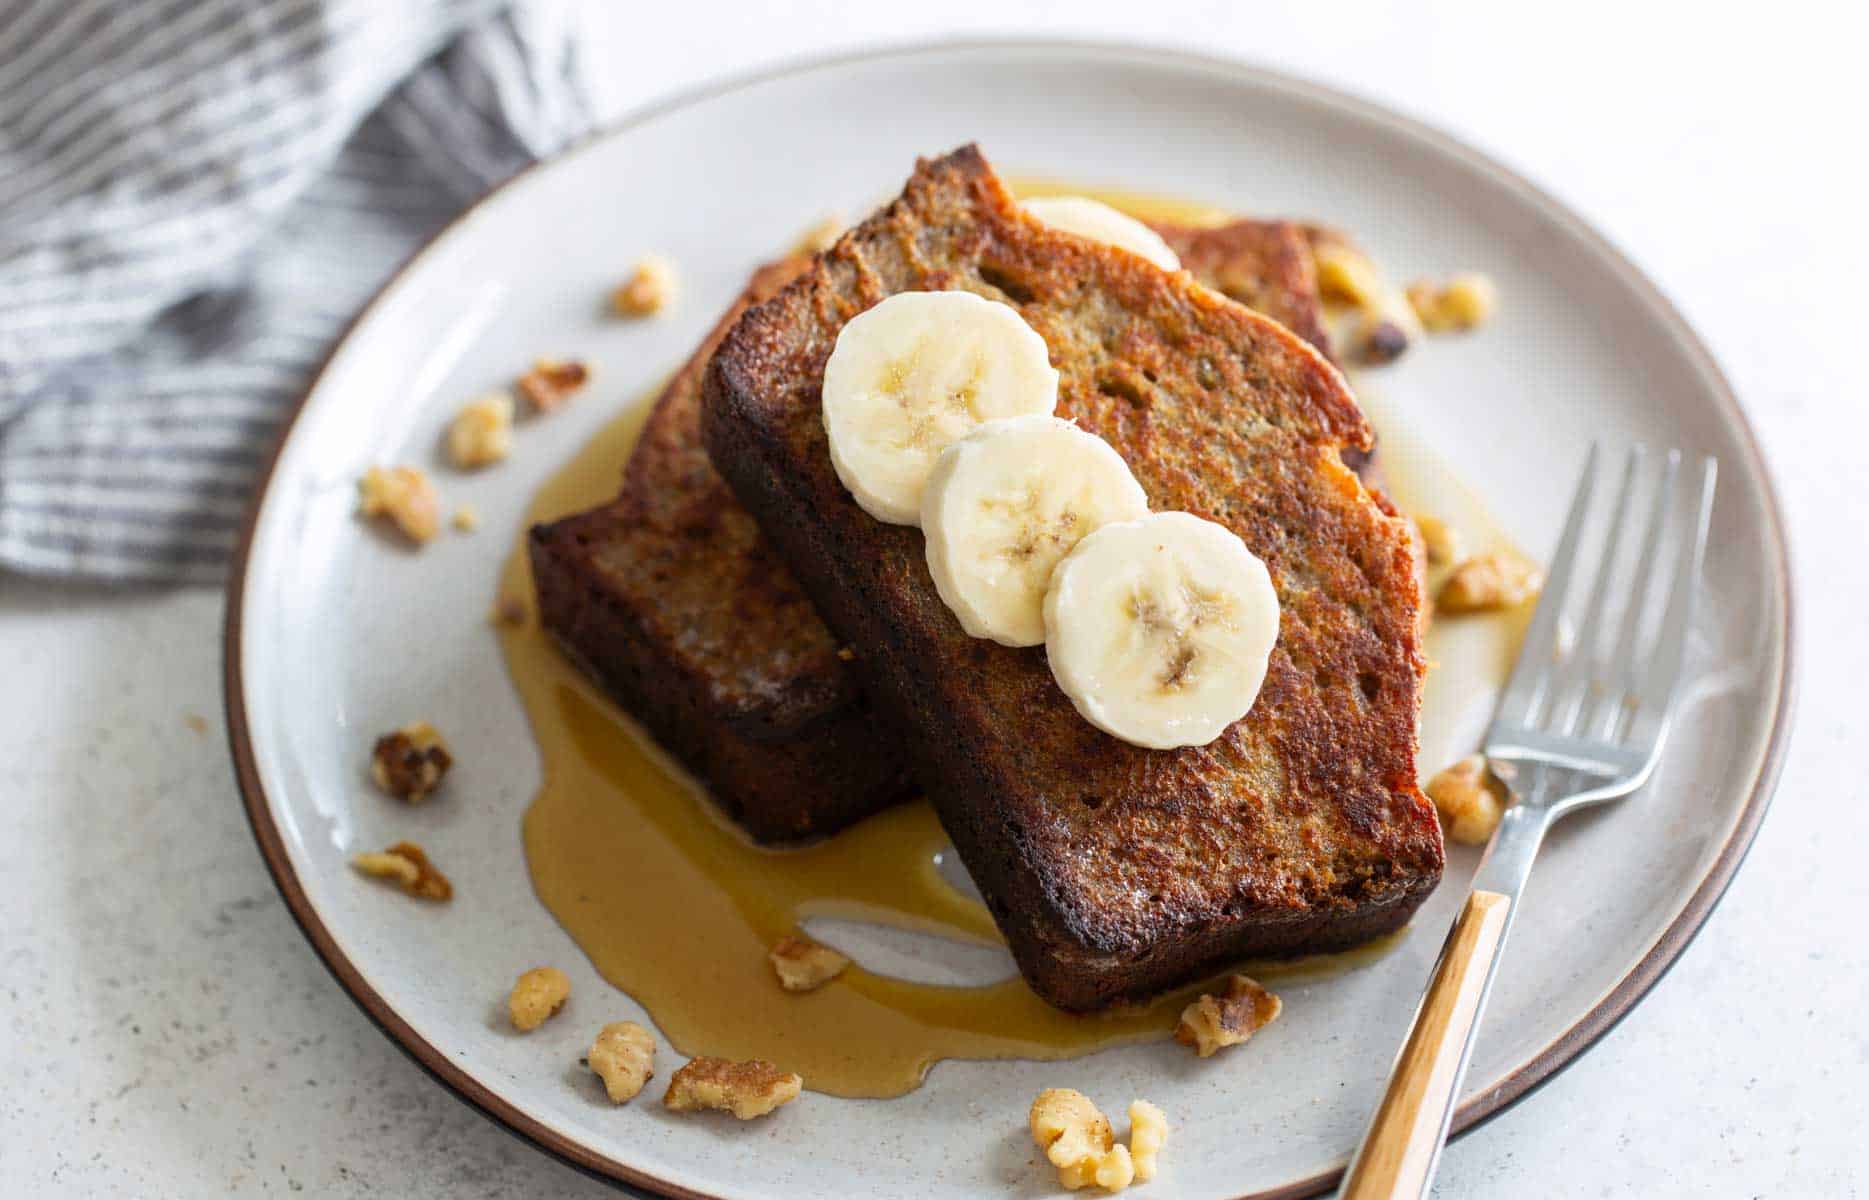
(1266, 265)
(1116, 871)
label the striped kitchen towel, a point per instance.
(195, 195)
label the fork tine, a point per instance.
(1624, 657)
(1529, 673)
(1654, 695)
(1571, 679)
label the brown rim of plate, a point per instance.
(1518, 1083)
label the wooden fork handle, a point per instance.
(1404, 1137)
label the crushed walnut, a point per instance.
(407, 864)
(1214, 1022)
(820, 237)
(1112, 1171)
(409, 763)
(1385, 325)
(804, 965)
(1441, 540)
(1489, 582)
(1345, 274)
(846, 654)
(623, 1056)
(467, 518)
(552, 381)
(649, 289)
(1148, 1133)
(1076, 1137)
(536, 995)
(1380, 339)
(1464, 797)
(1388, 327)
(482, 432)
(745, 1089)
(1077, 1140)
(406, 496)
(1463, 302)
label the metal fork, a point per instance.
(1581, 721)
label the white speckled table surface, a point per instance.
(168, 1031)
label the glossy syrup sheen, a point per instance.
(1470, 655)
(676, 908)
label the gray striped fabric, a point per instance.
(195, 195)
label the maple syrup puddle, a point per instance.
(677, 908)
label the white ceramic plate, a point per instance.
(334, 635)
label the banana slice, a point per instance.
(1004, 504)
(1159, 629)
(1099, 222)
(915, 373)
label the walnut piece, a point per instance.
(1345, 275)
(1468, 300)
(1385, 325)
(1113, 1170)
(552, 381)
(1489, 582)
(1148, 1132)
(1463, 302)
(1213, 1022)
(745, 1089)
(1387, 329)
(1441, 539)
(409, 763)
(404, 495)
(804, 965)
(482, 432)
(649, 289)
(624, 1058)
(536, 995)
(1068, 1127)
(1467, 803)
(1379, 340)
(820, 237)
(407, 864)
(1077, 1139)
(387, 864)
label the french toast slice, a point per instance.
(669, 597)
(672, 601)
(1116, 871)
(1267, 265)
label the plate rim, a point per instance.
(1609, 1010)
